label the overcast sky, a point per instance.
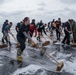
(46, 10)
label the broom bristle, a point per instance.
(3, 46)
(46, 43)
(51, 34)
(60, 66)
(43, 44)
(34, 45)
(73, 45)
(17, 46)
(54, 42)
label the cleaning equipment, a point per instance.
(54, 42)
(14, 38)
(60, 64)
(73, 44)
(46, 42)
(3, 45)
(34, 45)
(17, 45)
(52, 39)
(51, 34)
(49, 37)
(57, 28)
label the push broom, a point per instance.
(54, 24)
(17, 45)
(14, 38)
(73, 44)
(3, 45)
(60, 64)
(57, 28)
(46, 42)
(51, 39)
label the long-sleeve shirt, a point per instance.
(24, 31)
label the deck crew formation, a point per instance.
(27, 30)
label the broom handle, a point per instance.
(48, 37)
(73, 37)
(58, 30)
(52, 57)
(48, 55)
(14, 38)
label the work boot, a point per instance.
(19, 57)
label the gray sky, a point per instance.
(46, 10)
